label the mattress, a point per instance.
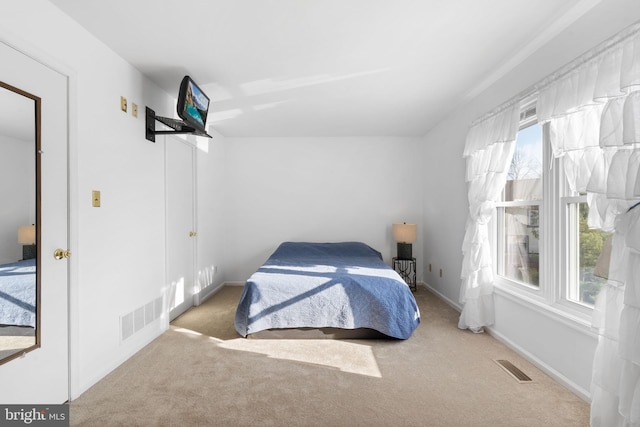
(327, 285)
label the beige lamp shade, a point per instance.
(27, 235)
(405, 233)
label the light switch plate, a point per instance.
(123, 104)
(134, 109)
(95, 199)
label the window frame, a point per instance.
(496, 226)
(552, 293)
(570, 276)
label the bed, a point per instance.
(18, 293)
(327, 285)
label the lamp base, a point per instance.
(405, 251)
(28, 251)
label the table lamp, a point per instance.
(27, 238)
(405, 234)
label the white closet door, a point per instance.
(181, 232)
(41, 376)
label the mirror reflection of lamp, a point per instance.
(27, 238)
(405, 234)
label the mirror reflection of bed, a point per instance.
(17, 306)
(18, 211)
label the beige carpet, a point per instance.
(14, 339)
(201, 373)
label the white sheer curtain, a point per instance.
(488, 151)
(593, 110)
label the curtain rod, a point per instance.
(592, 54)
(508, 104)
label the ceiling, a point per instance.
(326, 67)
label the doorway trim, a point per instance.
(38, 55)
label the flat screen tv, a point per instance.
(193, 104)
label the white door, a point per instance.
(181, 233)
(41, 376)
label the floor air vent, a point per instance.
(512, 370)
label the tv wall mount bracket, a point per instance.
(178, 126)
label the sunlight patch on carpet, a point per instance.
(336, 354)
(187, 331)
(343, 355)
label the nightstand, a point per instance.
(407, 270)
(28, 251)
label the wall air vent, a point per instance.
(135, 321)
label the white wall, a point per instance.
(317, 189)
(211, 183)
(564, 350)
(118, 249)
(254, 192)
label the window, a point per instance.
(543, 245)
(584, 247)
(519, 211)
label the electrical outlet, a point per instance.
(440, 272)
(123, 104)
(134, 109)
(429, 268)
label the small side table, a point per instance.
(28, 251)
(407, 270)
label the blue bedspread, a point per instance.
(318, 285)
(18, 293)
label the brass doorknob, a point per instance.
(61, 253)
(192, 234)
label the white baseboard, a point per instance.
(132, 347)
(453, 305)
(233, 283)
(208, 292)
(566, 382)
(557, 376)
